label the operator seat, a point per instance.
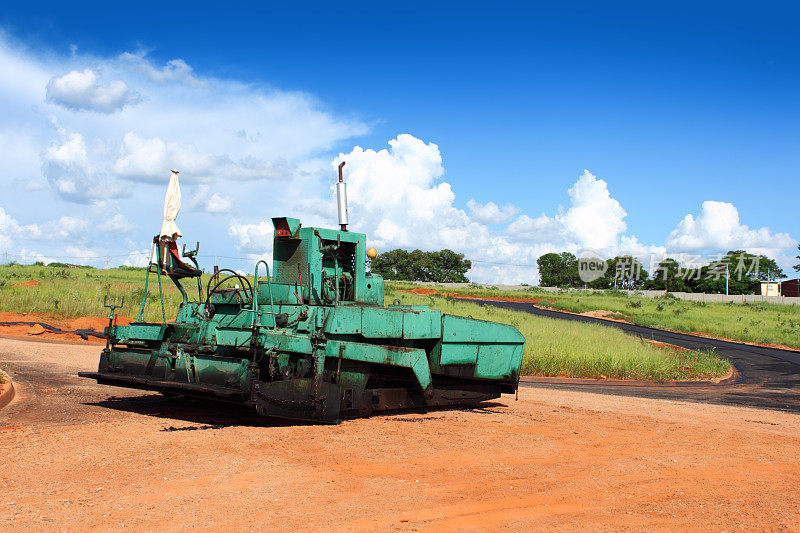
(169, 260)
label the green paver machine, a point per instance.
(311, 340)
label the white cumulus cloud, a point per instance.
(594, 220)
(82, 90)
(149, 160)
(490, 212)
(72, 175)
(210, 201)
(11, 231)
(254, 240)
(175, 70)
(718, 227)
(117, 223)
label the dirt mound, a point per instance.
(607, 315)
(94, 322)
(36, 329)
(30, 283)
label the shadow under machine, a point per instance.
(310, 340)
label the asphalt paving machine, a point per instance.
(309, 339)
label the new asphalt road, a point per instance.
(767, 377)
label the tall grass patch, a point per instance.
(75, 292)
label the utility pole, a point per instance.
(727, 278)
(107, 262)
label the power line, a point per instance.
(502, 264)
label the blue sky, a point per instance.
(675, 111)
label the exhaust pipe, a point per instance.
(341, 199)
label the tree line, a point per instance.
(742, 270)
(444, 266)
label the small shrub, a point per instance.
(616, 292)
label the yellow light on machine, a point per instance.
(372, 253)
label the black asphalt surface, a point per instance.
(767, 378)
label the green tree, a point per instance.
(667, 277)
(558, 270)
(444, 266)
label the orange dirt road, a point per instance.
(75, 455)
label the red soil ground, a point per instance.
(427, 292)
(78, 456)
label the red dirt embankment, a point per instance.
(420, 291)
(30, 283)
(37, 332)
(428, 292)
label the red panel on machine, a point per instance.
(282, 228)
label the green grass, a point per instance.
(76, 292)
(560, 348)
(747, 322)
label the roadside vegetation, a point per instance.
(763, 323)
(572, 349)
(64, 292)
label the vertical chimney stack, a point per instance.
(341, 199)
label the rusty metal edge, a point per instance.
(6, 390)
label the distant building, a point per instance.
(769, 288)
(790, 288)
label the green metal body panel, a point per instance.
(313, 342)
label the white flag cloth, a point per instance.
(172, 205)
